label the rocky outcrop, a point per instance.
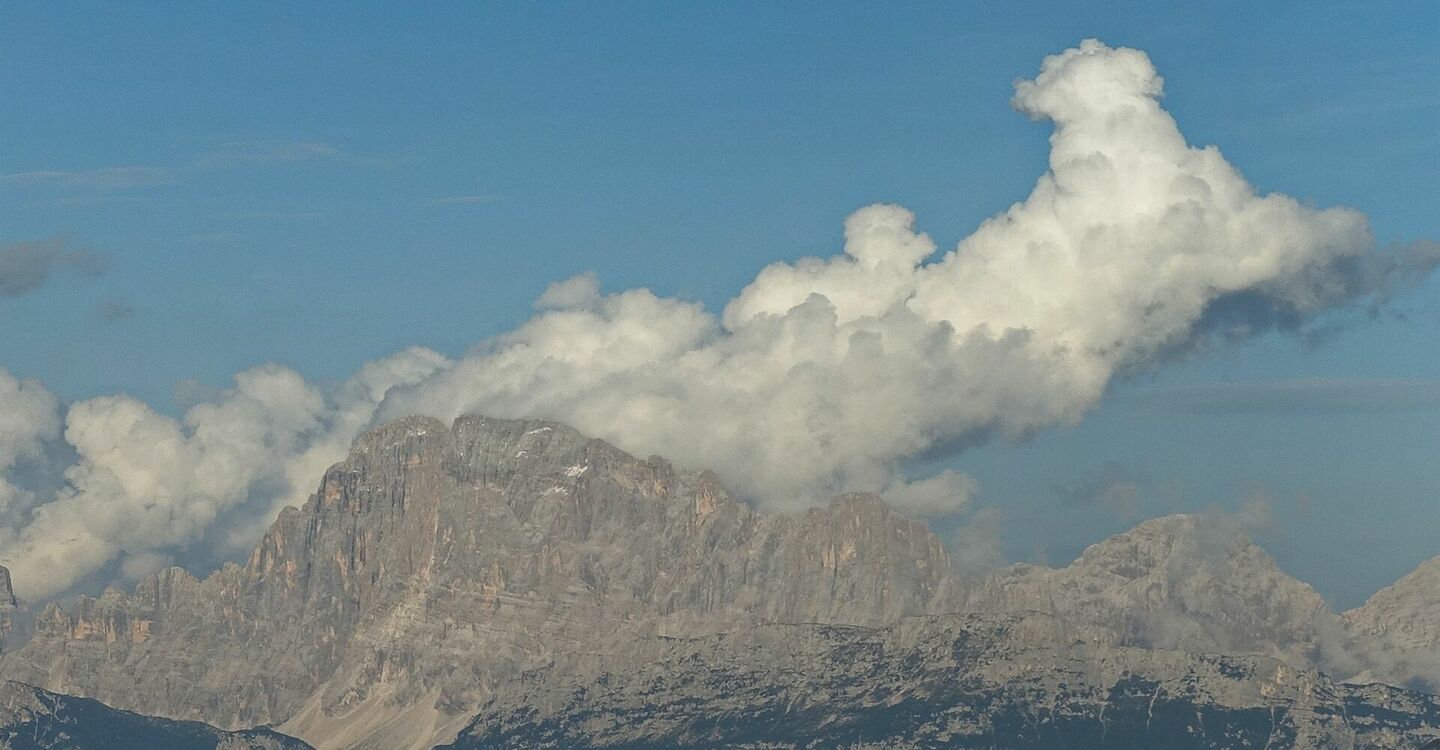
(1198, 584)
(1406, 612)
(437, 563)
(33, 719)
(7, 589)
(997, 681)
(1401, 622)
(16, 624)
(1181, 582)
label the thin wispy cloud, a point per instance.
(104, 178)
(213, 237)
(1357, 104)
(93, 198)
(278, 215)
(262, 152)
(227, 156)
(467, 200)
(1302, 395)
(269, 152)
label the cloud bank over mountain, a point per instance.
(819, 376)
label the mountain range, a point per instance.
(509, 583)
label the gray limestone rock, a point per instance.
(437, 563)
(1178, 582)
(1402, 622)
(16, 622)
(1196, 584)
(550, 590)
(7, 589)
(1407, 612)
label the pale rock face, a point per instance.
(1178, 582)
(16, 622)
(437, 563)
(522, 571)
(1406, 612)
(1402, 626)
(7, 590)
(1197, 584)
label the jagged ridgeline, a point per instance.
(499, 584)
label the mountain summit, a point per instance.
(1407, 611)
(438, 562)
(1186, 582)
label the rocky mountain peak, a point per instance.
(16, 621)
(7, 589)
(439, 566)
(1406, 612)
(437, 562)
(1182, 581)
(1156, 543)
(1401, 626)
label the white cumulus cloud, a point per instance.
(29, 418)
(144, 484)
(820, 376)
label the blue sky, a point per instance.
(321, 186)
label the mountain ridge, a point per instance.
(432, 544)
(438, 565)
(1407, 610)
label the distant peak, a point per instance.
(1173, 523)
(858, 500)
(514, 428)
(400, 429)
(1180, 526)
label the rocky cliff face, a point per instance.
(16, 624)
(437, 563)
(549, 590)
(1184, 582)
(1402, 622)
(1407, 612)
(7, 589)
(1196, 584)
(33, 719)
(1006, 681)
